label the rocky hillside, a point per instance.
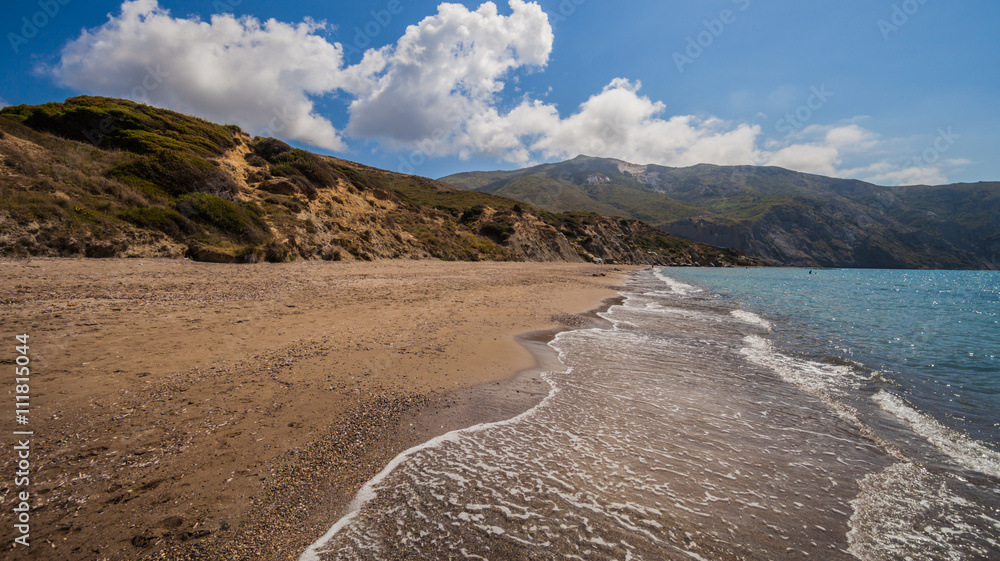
(100, 177)
(784, 216)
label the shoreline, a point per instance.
(484, 404)
(498, 401)
(209, 438)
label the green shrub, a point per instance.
(269, 148)
(254, 208)
(29, 205)
(119, 123)
(143, 142)
(231, 219)
(300, 162)
(368, 181)
(499, 233)
(291, 162)
(174, 173)
(255, 160)
(664, 242)
(472, 215)
(165, 220)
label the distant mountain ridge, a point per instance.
(788, 217)
(101, 177)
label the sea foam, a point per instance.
(677, 286)
(964, 450)
(752, 319)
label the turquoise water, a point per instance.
(934, 335)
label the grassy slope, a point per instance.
(112, 165)
(102, 177)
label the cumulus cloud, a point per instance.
(821, 149)
(620, 123)
(439, 83)
(443, 89)
(912, 175)
(436, 91)
(852, 137)
(259, 75)
(811, 158)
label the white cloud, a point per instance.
(821, 149)
(436, 91)
(910, 176)
(439, 83)
(810, 158)
(440, 90)
(851, 137)
(620, 123)
(3, 103)
(257, 75)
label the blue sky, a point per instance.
(894, 92)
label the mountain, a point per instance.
(787, 217)
(102, 177)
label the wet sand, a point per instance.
(199, 411)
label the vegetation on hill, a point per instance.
(114, 123)
(103, 177)
(784, 216)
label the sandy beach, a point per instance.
(186, 410)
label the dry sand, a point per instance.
(189, 410)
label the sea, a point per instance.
(726, 414)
